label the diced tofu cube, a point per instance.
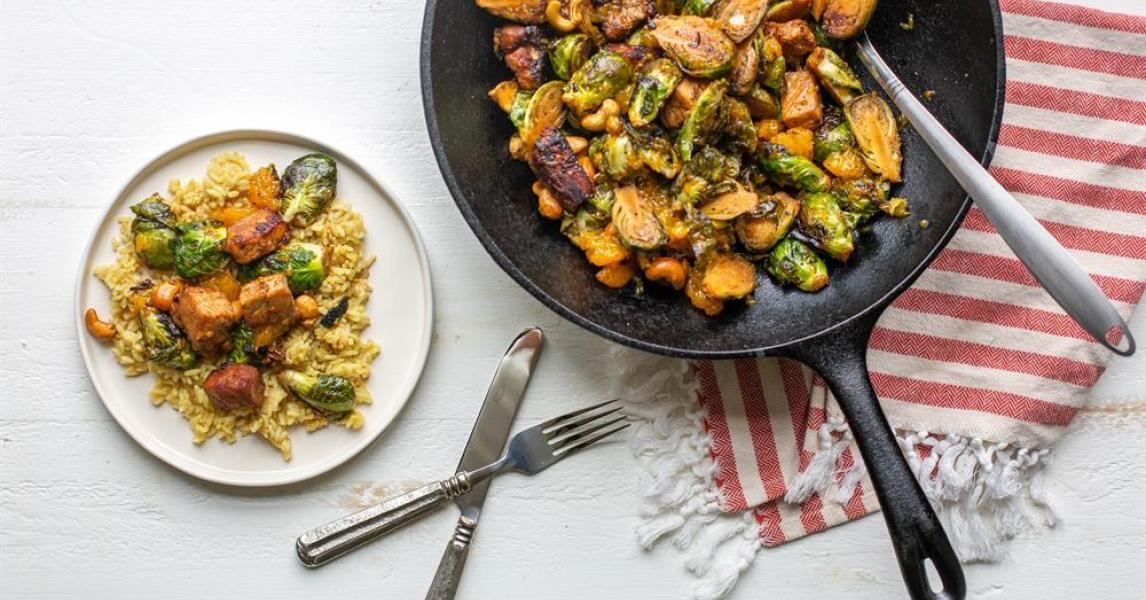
(267, 301)
(800, 103)
(232, 386)
(207, 317)
(795, 37)
(256, 235)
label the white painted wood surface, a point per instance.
(90, 90)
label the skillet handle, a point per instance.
(840, 357)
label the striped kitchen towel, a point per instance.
(978, 370)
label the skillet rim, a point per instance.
(556, 306)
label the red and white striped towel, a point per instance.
(977, 368)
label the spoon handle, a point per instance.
(1046, 259)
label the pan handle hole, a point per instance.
(933, 580)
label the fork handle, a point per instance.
(330, 541)
(445, 584)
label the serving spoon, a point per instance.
(1046, 259)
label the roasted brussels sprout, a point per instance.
(739, 131)
(656, 80)
(303, 264)
(794, 263)
(519, 107)
(701, 119)
(326, 393)
(697, 8)
(823, 223)
(697, 44)
(772, 64)
(841, 83)
(843, 19)
(544, 109)
(521, 11)
(745, 68)
(616, 156)
(606, 74)
(153, 232)
(164, 341)
(706, 171)
(243, 349)
(659, 154)
(874, 127)
(569, 54)
(727, 277)
(833, 135)
(759, 230)
(636, 221)
(762, 104)
(731, 204)
(309, 184)
(787, 10)
(739, 18)
(792, 170)
(199, 249)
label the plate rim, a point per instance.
(180, 461)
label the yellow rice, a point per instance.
(339, 350)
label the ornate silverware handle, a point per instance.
(1046, 259)
(327, 542)
(445, 583)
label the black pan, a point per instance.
(956, 49)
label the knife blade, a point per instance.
(486, 443)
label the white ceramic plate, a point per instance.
(400, 309)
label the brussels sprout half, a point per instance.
(697, 44)
(823, 223)
(794, 263)
(701, 118)
(843, 19)
(164, 341)
(833, 135)
(877, 134)
(309, 185)
(841, 83)
(636, 220)
(326, 393)
(740, 17)
(569, 54)
(199, 249)
(616, 156)
(792, 170)
(656, 80)
(303, 264)
(153, 232)
(605, 75)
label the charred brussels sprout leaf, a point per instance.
(636, 220)
(824, 224)
(697, 44)
(701, 175)
(519, 107)
(656, 80)
(874, 127)
(739, 131)
(153, 233)
(772, 64)
(199, 249)
(544, 109)
(521, 11)
(740, 17)
(863, 196)
(243, 349)
(760, 230)
(833, 135)
(165, 343)
(605, 75)
(762, 104)
(731, 204)
(792, 170)
(787, 10)
(309, 184)
(843, 19)
(303, 264)
(616, 155)
(327, 393)
(701, 119)
(569, 54)
(841, 83)
(659, 154)
(794, 263)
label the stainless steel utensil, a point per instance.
(530, 452)
(327, 542)
(1046, 259)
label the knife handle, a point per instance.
(445, 583)
(330, 541)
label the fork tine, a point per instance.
(583, 442)
(570, 415)
(576, 436)
(560, 429)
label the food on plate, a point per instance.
(244, 295)
(696, 145)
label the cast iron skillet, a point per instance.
(955, 49)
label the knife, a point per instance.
(330, 541)
(487, 440)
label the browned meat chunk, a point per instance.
(795, 37)
(636, 55)
(620, 17)
(523, 48)
(256, 235)
(232, 387)
(556, 166)
(800, 103)
(206, 315)
(267, 301)
(681, 101)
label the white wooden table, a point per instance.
(90, 90)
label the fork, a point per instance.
(530, 452)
